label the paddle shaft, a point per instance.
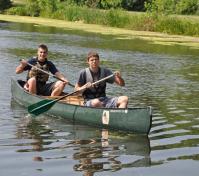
(45, 105)
(49, 74)
(97, 82)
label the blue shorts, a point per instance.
(107, 102)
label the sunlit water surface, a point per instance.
(164, 77)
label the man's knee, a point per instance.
(123, 99)
(32, 81)
(122, 102)
(96, 103)
(31, 85)
(59, 84)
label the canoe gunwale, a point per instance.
(60, 102)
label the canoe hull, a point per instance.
(137, 120)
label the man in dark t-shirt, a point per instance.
(95, 96)
(36, 79)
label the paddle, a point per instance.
(45, 105)
(49, 74)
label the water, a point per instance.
(165, 77)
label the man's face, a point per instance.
(93, 62)
(42, 54)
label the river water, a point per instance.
(162, 76)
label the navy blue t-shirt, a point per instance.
(33, 61)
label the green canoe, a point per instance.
(137, 120)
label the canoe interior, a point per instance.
(75, 99)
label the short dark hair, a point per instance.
(92, 54)
(44, 47)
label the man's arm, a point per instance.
(60, 76)
(81, 85)
(21, 67)
(83, 88)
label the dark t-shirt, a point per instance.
(43, 88)
(98, 90)
(33, 61)
(82, 76)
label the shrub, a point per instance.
(19, 10)
(187, 7)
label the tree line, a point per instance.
(188, 7)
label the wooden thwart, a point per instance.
(73, 99)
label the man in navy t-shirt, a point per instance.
(37, 79)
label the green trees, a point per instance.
(188, 7)
(4, 4)
(108, 4)
(41, 7)
(173, 6)
(36, 7)
(158, 6)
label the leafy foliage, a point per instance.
(172, 6)
(108, 4)
(187, 7)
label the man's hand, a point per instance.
(23, 63)
(85, 86)
(118, 78)
(20, 68)
(117, 74)
(65, 80)
(59, 76)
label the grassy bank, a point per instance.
(177, 25)
(159, 38)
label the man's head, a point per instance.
(42, 52)
(92, 54)
(93, 60)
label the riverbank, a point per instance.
(155, 37)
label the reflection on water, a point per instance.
(94, 150)
(109, 150)
(52, 146)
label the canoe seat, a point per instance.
(77, 100)
(73, 99)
